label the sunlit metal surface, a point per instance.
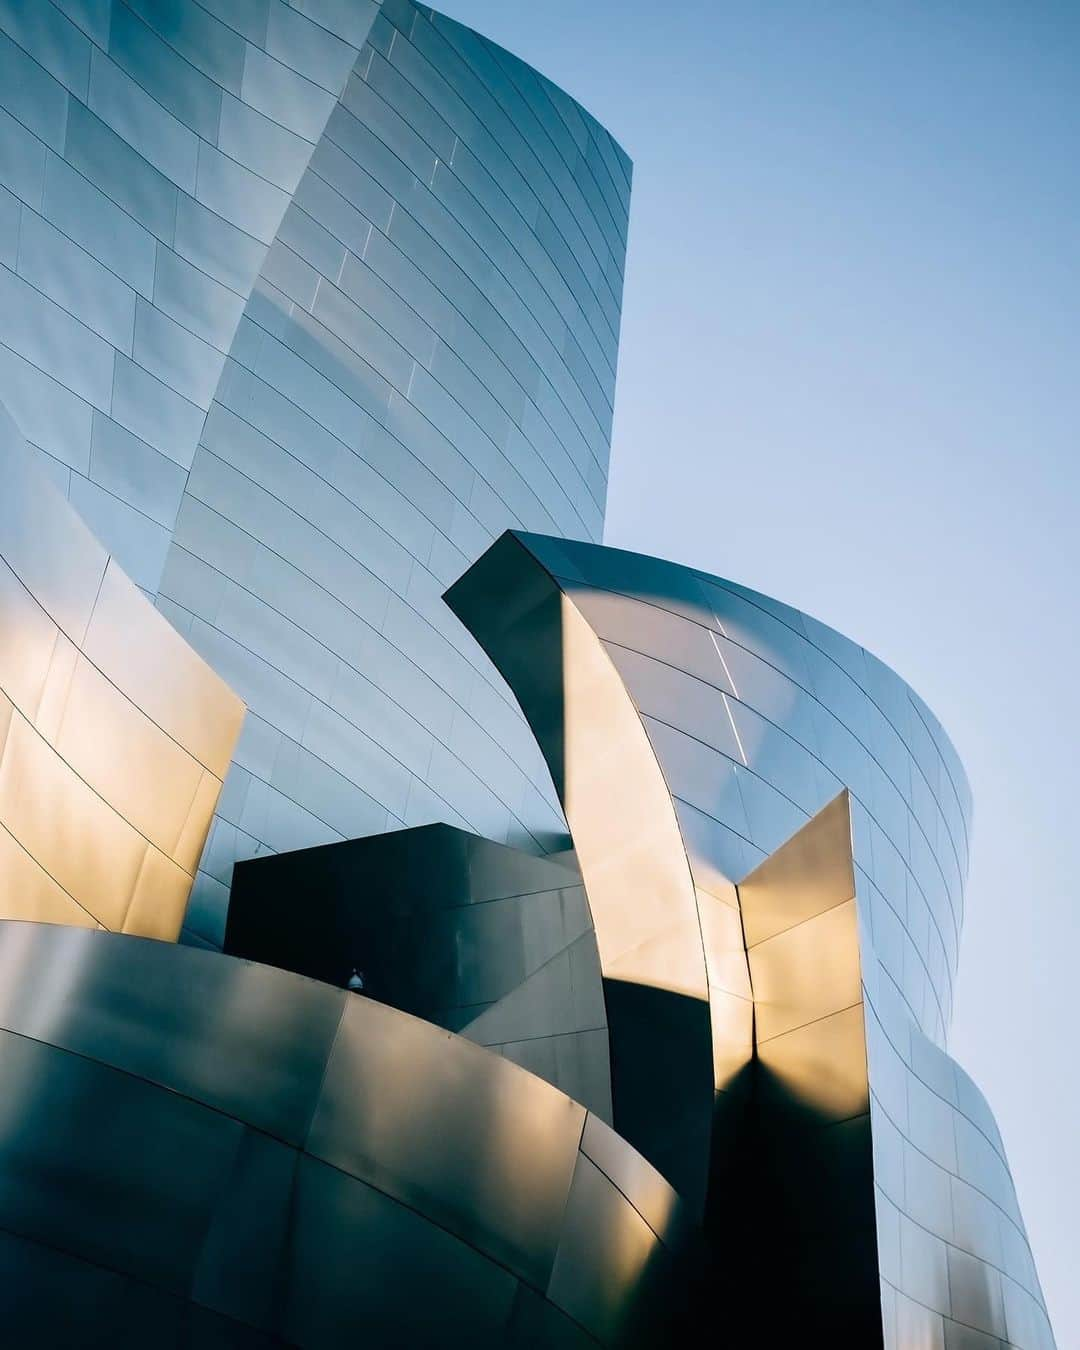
(427, 357)
(301, 305)
(114, 735)
(802, 1161)
(804, 984)
(188, 1140)
(627, 841)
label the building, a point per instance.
(309, 314)
(772, 830)
(305, 306)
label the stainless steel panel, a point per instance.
(101, 777)
(141, 543)
(611, 1294)
(806, 972)
(930, 1124)
(29, 639)
(242, 1254)
(308, 48)
(55, 341)
(640, 1183)
(132, 133)
(928, 1197)
(52, 40)
(282, 94)
(812, 873)
(99, 1307)
(705, 778)
(123, 1059)
(178, 86)
(274, 1033)
(31, 94)
(22, 161)
(824, 1055)
(83, 210)
(513, 1126)
(390, 109)
(121, 173)
(975, 1291)
(72, 1125)
(202, 305)
(70, 276)
(416, 1284)
(176, 357)
(158, 807)
(924, 1262)
(154, 412)
(129, 110)
(536, 1324)
(89, 849)
(221, 250)
(128, 468)
(240, 196)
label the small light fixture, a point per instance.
(355, 983)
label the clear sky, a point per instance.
(850, 377)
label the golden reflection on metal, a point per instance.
(731, 1008)
(114, 734)
(801, 923)
(822, 1065)
(806, 972)
(629, 847)
(636, 1178)
(776, 957)
(811, 1158)
(450, 1176)
(599, 647)
(810, 873)
(623, 823)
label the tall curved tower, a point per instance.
(302, 309)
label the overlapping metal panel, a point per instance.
(692, 728)
(302, 306)
(200, 1150)
(114, 734)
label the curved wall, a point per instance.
(755, 717)
(427, 357)
(147, 154)
(114, 734)
(197, 1150)
(301, 310)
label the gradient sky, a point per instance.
(850, 377)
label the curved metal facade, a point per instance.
(487, 941)
(114, 735)
(198, 1150)
(147, 155)
(692, 727)
(302, 309)
(427, 357)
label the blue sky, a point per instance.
(850, 377)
